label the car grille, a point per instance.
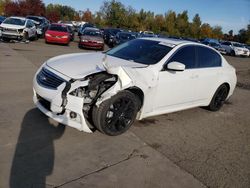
(10, 30)
(48, 79)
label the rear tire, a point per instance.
(219, 98)
(116, 115)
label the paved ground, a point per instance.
(193, 148)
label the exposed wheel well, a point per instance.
(228, 86)
(139, 93)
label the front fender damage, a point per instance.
(99, 87)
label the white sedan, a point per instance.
(138, 79)
(18, 28)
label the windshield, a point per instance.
(39, 20)
(141, 51)
(125, 36)
(238, 45)
(114, 31)
(14, 21)
(92, 33)
(58, 28)
(214, 44)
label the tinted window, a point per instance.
(207, 57)
(226, 43)
(37, 19)
(89, 32)
(238, 45)
(14, 21)
(141, 51)
(59, 28)
(185, 55)
(125, 36)
(30, 24)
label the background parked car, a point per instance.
(41, 23)
(216, 46)
(235, 48)
(109, 35)
(91, 38)
(58, 33)
(83, 26)
(18, 28)
(147, 34)
(247, 46)
(2, 18)
(69, 23)
(122, 37)
(72, 33)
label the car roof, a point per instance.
(59, 24)
(91, 28)
(170, 40)
(18, 17)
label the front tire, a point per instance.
(219, 98)
(25, 37)
(116, 115)
(232, 53)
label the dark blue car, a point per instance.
(122, 37)
(2, 18)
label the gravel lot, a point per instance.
(192, 148)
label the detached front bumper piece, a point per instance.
(60, 105)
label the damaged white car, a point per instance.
(138, 79)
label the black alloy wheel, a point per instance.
(116, 115)
(219, 98)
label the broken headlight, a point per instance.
(79, 92)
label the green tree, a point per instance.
(170, 23)
(182, 24)
(195, 27)
(114, 13)
(217, 32)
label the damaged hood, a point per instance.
(79, 65)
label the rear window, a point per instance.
(141, 51)
(58, 28)
(14, 21)
(207, 57)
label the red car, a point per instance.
(58, 33)
(92, 39)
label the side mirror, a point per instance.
(176, 66)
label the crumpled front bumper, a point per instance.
(55, 108)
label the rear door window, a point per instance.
(207, 57)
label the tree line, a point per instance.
(113, 13)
